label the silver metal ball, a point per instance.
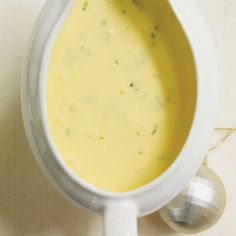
(199, 206)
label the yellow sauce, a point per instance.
(119, 97)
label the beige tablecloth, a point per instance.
(29, 206)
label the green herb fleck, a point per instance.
(140, 152)
(68, 132)
(153, 35)
(157, 27)
(127, 28)
(104, 22)
(123, 11)
(138, 133)
(162, 157)
(116, 62)
(122, 92)
(159, 102)
(72, 109)
(137, 3)
(155, 129)
(85, 5)
(134, 86)
(101, 138)
(89, 98)
(84, 50)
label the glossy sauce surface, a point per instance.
(117, 110)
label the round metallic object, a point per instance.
(199, 206)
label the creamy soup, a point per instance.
(118, 96)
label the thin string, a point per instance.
(229, 132)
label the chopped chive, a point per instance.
(68, 131)
(140, 152)
(157, 75)
(122, 92)
(159, 102)
(104, 22)
(157, 27)
(71, 109)
(138, 133)
(133, 85)
(85, 5)
(153, 35)
(155, 129)
(117, 62)
(136, 2)
(101, 138)
(162, 157)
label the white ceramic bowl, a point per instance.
(120, 209)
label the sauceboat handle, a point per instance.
(120, 219)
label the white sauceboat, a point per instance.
(120, 210)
